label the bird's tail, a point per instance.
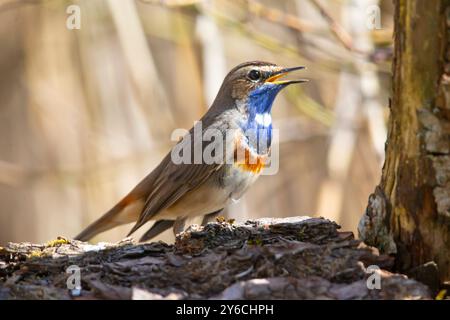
(124, 212)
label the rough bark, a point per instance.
(409, 213)
(293, 258)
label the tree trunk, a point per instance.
(409, 213)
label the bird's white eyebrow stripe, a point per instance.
(264, 119)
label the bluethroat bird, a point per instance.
(174, 190)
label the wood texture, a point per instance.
(409, 212)
(291, 258)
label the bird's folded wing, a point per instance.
(170, 182)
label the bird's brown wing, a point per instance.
(172, 181)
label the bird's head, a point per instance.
(254, 85)
(251, 87)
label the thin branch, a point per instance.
(13, 4)
(279, 17)
(339, 32)
(172, 3)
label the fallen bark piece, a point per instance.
(291, 258)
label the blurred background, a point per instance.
(86, 113)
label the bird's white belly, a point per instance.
(211, 196)
(237, 181)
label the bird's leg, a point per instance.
(179, 223)
(157, 228)
(211, 217)
(178, 226)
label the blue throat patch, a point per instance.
(259, 106)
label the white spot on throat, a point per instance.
(264, 119)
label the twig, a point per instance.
(340, 33)
(13, 4)
(279, 17)
(172, 3)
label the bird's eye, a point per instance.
(254, 75)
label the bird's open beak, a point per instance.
(281, 73)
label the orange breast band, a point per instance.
(246, 159)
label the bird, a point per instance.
(175, 190)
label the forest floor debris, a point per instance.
(288, 258)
